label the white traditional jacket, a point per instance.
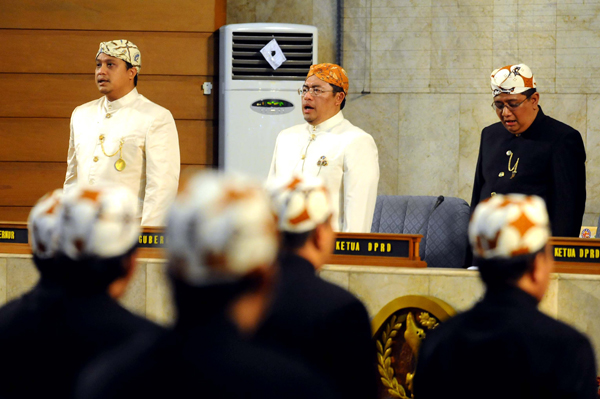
(150, 151)
(344, 156)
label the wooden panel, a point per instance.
(65, 51)
(55, 96)
(23, 183)
(131, 15)
(14, 213)
(47, 140)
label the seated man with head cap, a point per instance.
(125, 138)
(504, 347)
(83, 245)
(530, 153)
(331, 147)
(312, 318)
(222, 244)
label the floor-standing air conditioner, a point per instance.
(257, 101)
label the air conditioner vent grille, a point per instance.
(249, 64)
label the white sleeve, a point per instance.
(71, 176)
(162, 169)
(361, 177)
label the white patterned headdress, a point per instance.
(512, 79)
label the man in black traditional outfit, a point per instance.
(222, 244)
(530, 153)
(504, 347)
(312, 318)
(83, 245)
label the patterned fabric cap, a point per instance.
(505, 226)
(301, 203)
(42, 224)
(220, 227)
(124, 50)
(98, 222)
(512, 79)
(330, 73)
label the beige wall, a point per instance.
(426, 65)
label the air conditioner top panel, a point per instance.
(268, 27)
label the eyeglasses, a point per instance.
(315, 91)
(499, 106)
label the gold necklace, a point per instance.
(514, 168)
(120, 164)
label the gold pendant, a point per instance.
(513, 174)
(120, 164)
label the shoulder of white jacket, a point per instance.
(348, 129)
(89, 105)
(145, 103)
(300, 128)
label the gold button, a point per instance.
(95, 159)
(493, 193)
(108, 116)
(508, 152)
(303, 156)
(501, 174)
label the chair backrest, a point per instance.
(445, 236)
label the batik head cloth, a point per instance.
(512, 79)
(124, 50)
(42, 223)
(330, 73)
(220, 227)
(98, 222)
(301, 203)
(505, 226)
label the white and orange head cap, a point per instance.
(512, 79)
(301, 203)
(42, 223)
(506, 226)
(220, 227)
(98, 222)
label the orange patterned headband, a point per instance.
(330, 73)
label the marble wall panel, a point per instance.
(381, 121)
(401, 24)
(241, 11)
(572, 16)
(159, 299)
(483, 8)
(134, 298)
(3, 262)
(355, 41)
(398, 9)
(285, 11)
(385, 41)
(324, 15)
(336, 275)
(475, 114)
(376, 289)
(549, 303)
(428, 144)
(593, 154)
(445, 287)
(579, 305)
(21, 276)
(568, 108)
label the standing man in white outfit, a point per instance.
(330, 147)
(123, 137)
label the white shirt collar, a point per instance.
(328, 124)
(112, 106)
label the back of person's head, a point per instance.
(96, 236)
(41, 225)
(221, 238)
(509, 234)
(304, 208)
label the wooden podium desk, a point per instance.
(572, 255)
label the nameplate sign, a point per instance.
(14, 235)
(155, 239)
(397, 250)
(371, 247)
(571, 253)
